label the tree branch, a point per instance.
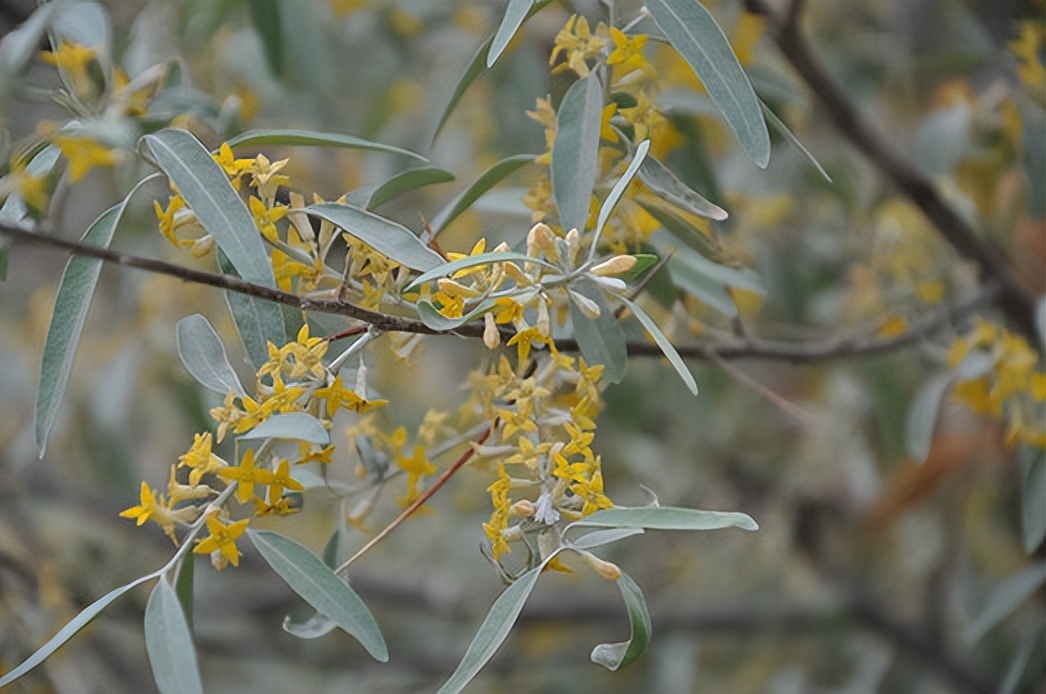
(1015, 301)
(810, 351)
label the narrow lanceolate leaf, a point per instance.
(495, 628)
(299, 426)
(487, 180)
(598, 538)
(667, 518)
(387, 237)
(692, 30)
(317, 584)
(183, 587)
(616, 192)
(601, 339)
(67, 323)
(70, 630)
(660, 179)
(206, 189)
(617, 655)
(308, 138)
(665, 344)
(1006, 598)
(431, 317)
(203, 355)
(515, 15)
(450, 268)
(258, 322)
(782, 127)
(406, 182)
(921, 421)
(472, 71)
(169, 643)
(312, 628)
(575, 151)
(1033, 497)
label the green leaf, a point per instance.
(678, 226)
(474, 69)
(183, 586)
(318, 585)
(203, 354)
(601, 339)
(206, 189)
(437, 321)
(85, 23)
(1033, 497)
(487, 180)
(308, 138)
(782, 127)
(265, 14)
(19, 46)
(257, 321)
(706, 280)
(299, 426)
(67, 322)
(575, 151)
(450, 268)
(312, 628)
(693, 31)
(169, 643)
(617, 655)
(495, 629)
(598, 538)
(665, 344)
(666, 518)
(405, 182)
(515, 14)
(70, 630)
(660, 179)
(922, 417)
(387, 237)
(1006, 598)
(607, 208)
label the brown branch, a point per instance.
(1015, 301)
(809, 351)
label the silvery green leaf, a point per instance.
(389, 238)
(613, 656)
(607, 208)
(515, 14)
(308, 138)
(921, 421)
(169, 643)
(299, 426)
(664, 183)
(487, 180)
(575, 151)
(666, 518)
(203, 355)
(667, 348)
(601, 339)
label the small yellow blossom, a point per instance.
(83, 154)
(222, 541)
(578, 44)
(75, 60)
(628, 52)
(247, 475)
(200, 459)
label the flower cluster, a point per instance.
(998, 376)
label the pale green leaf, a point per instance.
(169, 643)
(437, 321)
(665, 344)
(617, 655)
(312, 628)
(389, 238)
(447, 269)
(67, 322)
(203, 355)
(575, 151)
(666, 518)
(308, 138)
(183, 586)
(678, 226)
(299, 426)
(71, 628)
(1033, 497)
(601, 339)
(660, 179)
(598, 538)
(1005, 599)
(85, 23)
(921, 421)
(475, 67)
(318, 585)
(258, 321)
(487, 180)
(405, 182)
(607, 208)
(20, 45)
(515, 14)
(692, 31)
(206, 189)
(782, 127)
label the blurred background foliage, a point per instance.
(871, 571)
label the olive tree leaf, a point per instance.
(607, 208)
(666, 518)
(308, 138)
(575, 151)
(487, 180)
(401, 183)
(319, 586)
(206, 189)
(780, 126)
(70, 630)
(168, 642)
(387, 237)
(921, 420)
(598, 538)
(617, 655)
(660, 179)
(203, 355)
(515, 14)
(437, 321)
(472, 261)
(258, 321)
(665, 344)
(693, 31)
(601, 339)
(1033, 497)
(299, 426)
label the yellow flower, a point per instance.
(227, 414)
(523, 340)
(168, 219)
(222, 541)
(155, 508)
(281, 479)
(266, 177)
(628, 52)
(234, 168)
(645, 118)
(265, 218)
(499, 499)
(337, 397)
(200, 459)
(247, 475)
(84, 154)
(75, 60)
(416, 467)
(576, 41)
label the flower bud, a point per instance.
(491, 335)
(588, 307)
(606, 569)
(614, 266)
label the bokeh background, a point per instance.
(870, 570)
